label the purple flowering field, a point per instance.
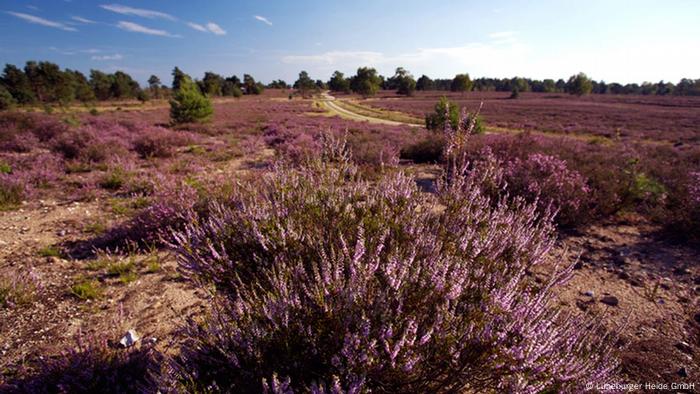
(274, 243)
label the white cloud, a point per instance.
(210, 27)
(136, 28)
(440, 62)
(82, 20)
(262, 19)
(197, 26)
(126, 10)
(116, 56)
(216, 29)
(41, 21)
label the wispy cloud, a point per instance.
(445, 61)
(216, 29)
(82, 20)
(116, 56)
(136, 28)
(197, 26)
(41, 21)
(262, 19)
(126, 10)
(210, 27)
(33, 7)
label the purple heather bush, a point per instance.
(12, 191)
(92, 367)
(324, 282)
(548, 181)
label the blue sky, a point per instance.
(623, 41)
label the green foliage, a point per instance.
(250, 86)
(424, 83)
(403, 82)
(647, 189)
(515, 93)
(178, 76)
(189, 104)
(101, 84)
(445, 111)
(6, 99)
(86, 290)
(50, 251)
(305, 85)
(366, 82)
(213, 84)
(143, 95)
(114, 179)
(461, 83)
(17, 289)
(339, 83)
(17, 83)
(579, 84)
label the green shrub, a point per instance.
(445, 111)
(6, 99)
(189, 104)
(86, 290)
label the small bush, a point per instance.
(548, 181)
(189, 104)
(12, 191)
(159, 143)
(681, 216)
(18, 289)
(92, 367)
(447, 114)
(50, 251)
(114, 179)
(86, 290)
(427, 150)
(152, 146)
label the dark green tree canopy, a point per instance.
(424, 83)
(366, 82)
(461, 83)
(338, 83)
(304, 84)
(579, 84)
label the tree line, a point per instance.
(46, 83)
(367, 82)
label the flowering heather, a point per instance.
(92, 367)
(328, 283)
(548, 181)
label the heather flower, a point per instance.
(325, 282)
(548, 181)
